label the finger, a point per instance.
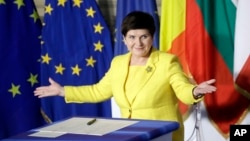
(41, 88)
(210, 87)
(36, 92)
(207, 89)
(211, 81)
(42, 96)
(51, 81)
(210, 90)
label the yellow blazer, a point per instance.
(156, 96)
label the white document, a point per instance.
(47, 134)
(78, 125)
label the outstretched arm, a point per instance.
(54, 89)
(204, 88)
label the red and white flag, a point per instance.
(242, 47)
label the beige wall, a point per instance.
(108, 8)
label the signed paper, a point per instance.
(47, 134)
(78, 125)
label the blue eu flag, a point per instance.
(126, 6)
(20, 49)
(76, 50)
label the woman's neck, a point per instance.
(138, 61)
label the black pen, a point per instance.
(91, 121)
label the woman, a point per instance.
(145, 83)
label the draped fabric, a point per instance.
(242, 48)
(172, 36)
(20, 30)
(76, 50)
(204, 42)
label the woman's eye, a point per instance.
(144, 37)
(131, 37)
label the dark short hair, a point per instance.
(138, 20)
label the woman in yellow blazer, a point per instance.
(145, 83)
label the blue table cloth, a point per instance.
(144, 130)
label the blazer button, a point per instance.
(130, 111)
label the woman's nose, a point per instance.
(138, 41)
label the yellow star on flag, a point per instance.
(60, 69)
(98, 28)
(76, 70)
(46, 58)
(2, 2)
(14, 90)
(33, 79)
(48, 9)
(98, 46)
(90, 61)
(90, 12)
(77, 3)
(19, 3)
(34, 15)
(61, 2)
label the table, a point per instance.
(142, 130)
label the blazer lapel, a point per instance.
(123, 74)
(149, 71)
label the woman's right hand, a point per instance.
(54, 89)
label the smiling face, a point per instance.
(139, 42)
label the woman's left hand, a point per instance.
(204, 88)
